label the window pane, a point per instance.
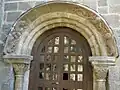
(57, 40)
(41, 75)
(72, 67)
(79, 77)
(66, 40)
(72, 77)
(55, 76)
(54, 67)
(50, 42)
(55, 58)
(72, 49)
(65, 89)
(65, 67)
(65, 76)
(41, 66)
(40, 88)
(48, 67)
(80, 68)
(42, 59)
(46, 88)
(48, 58)
(43, 49)
(73, 58)
(54, 88)
(80, 58)
(73, 42)
(49, 50)
(66, 49)
(66, 58)
(56, 49)
(47, 76)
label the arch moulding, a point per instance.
(43, 17)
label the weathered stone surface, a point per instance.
(6, 28)
(114, 85)
(20, 65)
(39, 2)
(114, 9)
(1, 13)
(116, 32)
(0, 19)
(24, 6)
(4, 76)
(12, 0)
(103, 10)
(112, 20)
(1, 48)
(113, 2)
(3, 36)
(114, 73)
(100, 66)
(102, 2)
(12, 16)
(91, 4)
(10, 6)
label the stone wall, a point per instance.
(10, 10)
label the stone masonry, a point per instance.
(10, 10)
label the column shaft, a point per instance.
(19, 82)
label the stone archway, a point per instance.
(46, 16)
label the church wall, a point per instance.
(10, 10)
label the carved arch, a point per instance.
(45, 16)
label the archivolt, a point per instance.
(53, 14)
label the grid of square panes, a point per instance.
(48, 60)
(72, 61)
(54, 88)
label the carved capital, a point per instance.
(20, 68)
(101, 65)
(100, 72)
(20, 63)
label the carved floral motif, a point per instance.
(20, 68)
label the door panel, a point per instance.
(61, 62)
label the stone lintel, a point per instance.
(20, 59)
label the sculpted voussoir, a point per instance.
(14, 37)
(21, 26)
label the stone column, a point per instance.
(20, 65)
(100, 69)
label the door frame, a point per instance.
(84, 20)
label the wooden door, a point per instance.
(61, 61)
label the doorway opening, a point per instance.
(61, 61)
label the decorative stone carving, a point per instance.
(95, 19)
(20, 64)
(20, 68)
(14, 36)
(101, 65)
(100, 72)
